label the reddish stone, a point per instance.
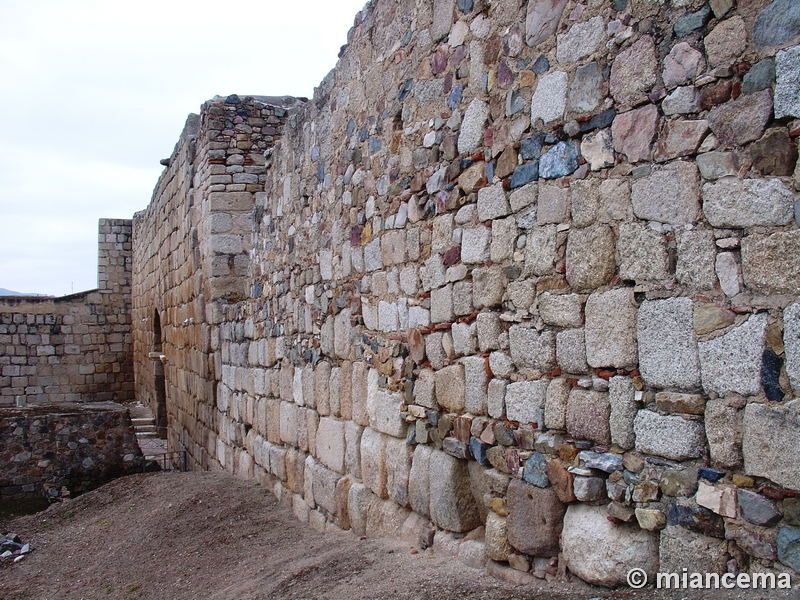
(774, 154)
(535, 518)
(561, 480)
(458, 55)
(680, 138)
(567, 452)
(439, 60)
(355, 235)
(505, 77)
(714, 95)
(633, 132)
(507, 162)
(452, 256)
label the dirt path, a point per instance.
(203, 535)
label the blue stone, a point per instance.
(363, 134)
(777, 23)
(531, 147)
(606, 461)
(534, 471)
(524, 174)
(692, 21)
(561, 160)
(770, 374)
(542, 65)
(465, 6)
(710, 474)
(351, 127)
(478, 449)
(789, 547)
(320, 172)
(620, 5)
(697, 519)
(375, 144)
(406, 38)
(489, 171)
(454, 99)
(405, 89)
(315, 154)
(797, 213)
(601, 121)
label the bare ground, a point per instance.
(209, 536)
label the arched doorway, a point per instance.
(160, 383)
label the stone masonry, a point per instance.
(525, 271)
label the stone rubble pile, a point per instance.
(12, 549)
(521, 283)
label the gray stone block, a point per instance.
(622, 398)
(787, 88)
(696, 259)
(540, 250)
(670, 194)
(492, 203)
(561, 310)
(487, 287)
(769, 264)
(419, 480)
(739, 203)
(571, 351)
(791, 342)
(550, 98)
(373, 461)
(555, 404)
(603, 553)
(611, 329)
(642, 252)
(473, 127)
(529, 348)
(669, 436)
(590, 261)
(535, 518)
(680, 548)
(452, 506)
(587, 416)
(667, 344)
(475, 245)
(330, 443)
(771, 440)
(476, 380)
(732, 362)
(450, 390)
(525, 401)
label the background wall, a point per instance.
(73, 348)
(521, 269)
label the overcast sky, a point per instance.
(95, 93)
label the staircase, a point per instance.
(144, 423)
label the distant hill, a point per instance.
(5, 292)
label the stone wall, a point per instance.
(43, 449)
(74, 348)
(527, 270)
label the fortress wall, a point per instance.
(526, 266)
(75, 348)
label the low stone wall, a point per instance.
(80, 447)
(523, 282)
(74, 348)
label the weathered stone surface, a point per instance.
(724, 432)
(771, 439)
(476, 380)
(672, 437)
(525, 401)
(561, 160)
(419, 481)
(587, 416)
(787, 88)
(590, 259)
(602, 553)
(540, 250)
(553, 204)
(580, 41)
(450, 390)
(633, 132)
(452, 506)
(586, 91)
(473, 126)
(714, 165)
(732, 362)
(726, 42)
(642, 252)
(442, 18)
(555, 406)
(497, 546)
(535, 517)
(696, 259)
(398, 467)
(789, 546)
(760, 77)
(739, 203)
(610, 329)
(727, 270)
(598, 149)
(534, 470)
(682, 64)
(777, 23)
(542, 20)
(622, 394)
(571, 351)
(330, 444)
(742, 120)
(775, 153)
(667, 344)
(529, 348)
(475, 245)
(487, 287)
(757, 509)
(373, 461)
(561, 310)
(680, 138)
(769, 262)
(681, 549)
(492, 203)
(589, 489)
(791, 343)
(720, 499)
(550, 98)
(683, 100)
(383, 409)
(691, 21)
(668, 195)
(633, 73)
(504, 237)
(342, 330)
(756, 541)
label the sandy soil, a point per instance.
(204, 535)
